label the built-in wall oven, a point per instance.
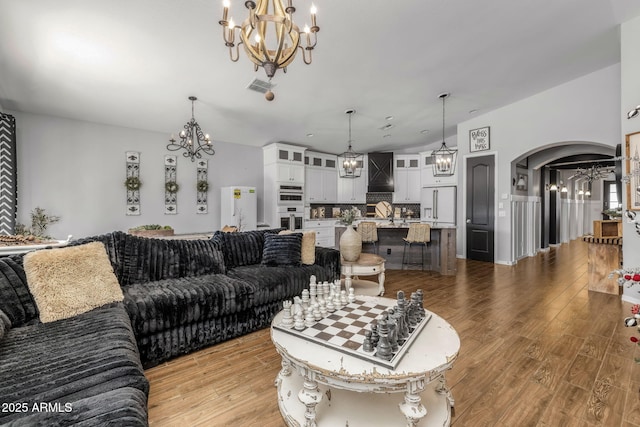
(290, 195)
(290, 217)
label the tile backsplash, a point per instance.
(332, 210)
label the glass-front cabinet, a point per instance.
(406, 176)
(320, 178)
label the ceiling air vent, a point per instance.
(261, 86)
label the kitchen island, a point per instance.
(440, 255)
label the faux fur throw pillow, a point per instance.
(308, 253)
(69, 281)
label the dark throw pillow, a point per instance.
(5, 324)
(282, 250)
(243, 248)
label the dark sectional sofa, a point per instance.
(179, 296)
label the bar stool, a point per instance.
(418, 234)
(369, 233)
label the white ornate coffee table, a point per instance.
(320, 386)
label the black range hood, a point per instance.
(380, 169)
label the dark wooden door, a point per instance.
(480, 208)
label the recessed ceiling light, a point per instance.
(386, 136)
(389, 118)
(425, 131)
(386, 127)
(473, 111)
(309, 135)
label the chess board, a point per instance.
(343, 330)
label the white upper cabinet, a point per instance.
(290, 173)
(284, 163)
(284, 153)
(406, 176)
(320, 177)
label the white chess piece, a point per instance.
(337, 301)
(309, 320)
(287, 319)
(326, 290)
(299, 323)
(338, 285)
(297, 306)
(316, 312)
(343, 298)
(323, 310)
(352, 295)
(330, 306)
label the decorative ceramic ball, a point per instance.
(269, 96)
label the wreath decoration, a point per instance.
(133, 183)
(171, 187)
(203, 186)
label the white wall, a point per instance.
(586, 109)
(76, 170)
(630, 98)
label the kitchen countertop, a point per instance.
(378, 220)
(382, 223)
(400, 225)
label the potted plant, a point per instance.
(613, 213)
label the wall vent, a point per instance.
(261, 86)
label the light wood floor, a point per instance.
(538, 349)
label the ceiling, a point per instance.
(133, 63)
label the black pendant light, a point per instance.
(444, 158)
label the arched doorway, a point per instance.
(550, 203)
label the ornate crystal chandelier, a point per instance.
(351, 162)
(192, 139)
(269, 36)
(444, 158)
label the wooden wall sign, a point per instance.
(479, 139)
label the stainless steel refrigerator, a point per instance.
(438, 206)
(239, 207)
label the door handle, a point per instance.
(436, 205)
(468, 220)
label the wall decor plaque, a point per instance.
(202, 186)
(170, 185)
(133, 183)
(479, 139)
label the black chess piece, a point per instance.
(409, 314)
(383, 349)
(374, 334)
(421, 303)
(367, 344)
(401, 319)
(393, 334)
